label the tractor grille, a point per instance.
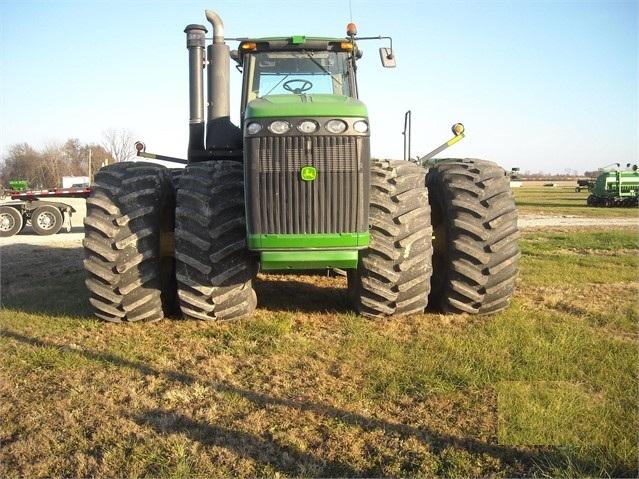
(283, 203)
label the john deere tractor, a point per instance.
(293, 188)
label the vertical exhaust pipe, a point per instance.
(218, 71)
(195, 43)
(221, 134)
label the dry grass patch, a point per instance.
(307, 388)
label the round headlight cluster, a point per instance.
(253, 128)
(308, 126)
(360, 126)
(336, 126)
(280, 127)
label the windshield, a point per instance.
(296, 72)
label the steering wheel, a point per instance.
(306, 86)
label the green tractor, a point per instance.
(615, 188)
(293, 189)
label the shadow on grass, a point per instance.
(44, 279)
(48, 280)
(261, 447)
(311, 293)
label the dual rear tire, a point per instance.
(475, 237)
(445, 239)
(138, 267)
(45, 220)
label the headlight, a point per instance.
(307, 126)
(253, 128)
(279, 127)
(336, 126)
(360, 126)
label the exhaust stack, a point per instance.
(195, 43)
(223, 138)
(218, 71)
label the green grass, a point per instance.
(565, 201)
(546, 388)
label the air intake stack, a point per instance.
(223, 138)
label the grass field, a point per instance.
(533, 197)
(547, 388)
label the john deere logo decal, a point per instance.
(308, 173)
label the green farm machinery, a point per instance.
(293, 188)
(615, 188)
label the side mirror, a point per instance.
(388, 57)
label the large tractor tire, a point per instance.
(214, 268)
(129, 243)
(393, 275)
(475, 237)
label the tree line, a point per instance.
(45, 168)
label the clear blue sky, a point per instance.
(540, 85)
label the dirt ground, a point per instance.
(24, 253)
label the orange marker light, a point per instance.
(346, 46)
(458, 129)
(249, 46)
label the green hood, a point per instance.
(273, 106)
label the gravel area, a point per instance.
(547, 221)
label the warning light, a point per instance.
(139, 146)
(248, 46)
(458, 129)
(351, 29)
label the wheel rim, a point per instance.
(7, 223)
(46, 221)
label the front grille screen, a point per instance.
(286, 204)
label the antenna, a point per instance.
(350, 8)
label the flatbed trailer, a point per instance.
(31, 207)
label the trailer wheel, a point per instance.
(213, 265)
(475, 236)
(11, 221)
(46, 220)
(393, 274)
(129, 243)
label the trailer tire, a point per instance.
(214, 268)
(128, 243)
(393, 274)
(475, 237)
(11, 221)
(46, 220)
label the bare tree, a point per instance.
(119, 143)
(45, 169)
(21, 163)
(52, 165)
(79, 155)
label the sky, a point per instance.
(540, 85)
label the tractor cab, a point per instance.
(296, 66)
